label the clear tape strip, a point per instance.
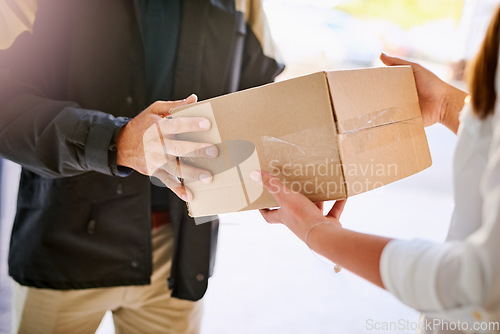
(379, 117)
(307, 161)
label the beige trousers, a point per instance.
(135, 309)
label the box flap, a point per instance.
(371, 97)
(383, 154)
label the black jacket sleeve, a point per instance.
(260, 61)
(58, 138)
(257, 68)
(39, 129)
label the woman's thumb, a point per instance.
(392, 61)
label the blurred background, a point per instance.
(266, 280)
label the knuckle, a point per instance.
(192, 151)
(171, 125)
(192, 175)
(173, 172)
(174, 148)
(184, 172)
(194, 124)
(166, 179)
(199, 151)
(156, 105)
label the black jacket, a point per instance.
(65, 92)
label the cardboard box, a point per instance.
(328, 135)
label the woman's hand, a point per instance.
(357, 252)
(296, 211)
(439, 101)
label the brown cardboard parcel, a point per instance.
(328, 135)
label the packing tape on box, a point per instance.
(314, 154)
(303, 147)
(377, 118)
(358, 142)
(307, 161)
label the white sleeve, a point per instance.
(408, 270)
(433, 277)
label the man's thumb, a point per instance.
(165, 107)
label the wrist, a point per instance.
(452, 103)
(314, 228)
(321, 229)
(122, 148)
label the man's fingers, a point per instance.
(158, 156)
(191, 173)
(337, 209)
(174, 184)
(166, 178)
(183, 193)
(162, 108)
(184, 171)
(179, 148)
(170, 126)
(193, 98)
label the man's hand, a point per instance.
(147, 144)
(439, 101)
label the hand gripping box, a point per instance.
(328, 135)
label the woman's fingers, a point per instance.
(272, 184)
(276, 188)
(279, 192)
(271, 216)
(337, 209)
(392, 61)
(290, 201)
